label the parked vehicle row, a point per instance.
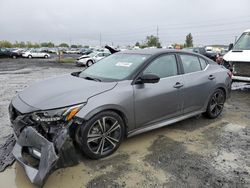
(27, 53)
(45, 52)
(4, 52)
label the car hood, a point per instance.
(83, 56)
(63, 91)
(237, 55)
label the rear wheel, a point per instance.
(29, 56)
(101, 135)
(46, 56)
(215, 104)
(14, 56)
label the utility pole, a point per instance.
(157, 31)
(70, 42)
(100, 39)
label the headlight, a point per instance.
(62, 114)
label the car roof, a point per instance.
(154, 51)
(157, 51)
(248, 30)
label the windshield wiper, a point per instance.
(91, 78)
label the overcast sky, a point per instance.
(123, 21)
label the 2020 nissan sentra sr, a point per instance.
(122, 95)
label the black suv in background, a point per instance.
(4, 52)
(202, 51)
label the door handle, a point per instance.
(211, 77)
(178, 85)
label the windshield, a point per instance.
(243, 43)
(93, 54)
(115, 67)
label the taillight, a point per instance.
(230, 74)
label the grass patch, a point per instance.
(66, 60)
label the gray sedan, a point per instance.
(122, 95)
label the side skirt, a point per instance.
(162, 124)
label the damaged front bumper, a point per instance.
(40, 157)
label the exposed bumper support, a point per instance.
(49, 159)
(241, 78)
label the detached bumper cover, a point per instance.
(49, 159)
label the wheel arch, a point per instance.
(221, 87)
(117, 109)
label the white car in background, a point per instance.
(88, 60)
(35, 53)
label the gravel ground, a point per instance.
(197, 152)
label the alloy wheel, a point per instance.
(104, 135)
(217, 103)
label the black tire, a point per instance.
(97, 139)
(14, 57)
(46, 56)
(29, 56)
(89, 63)
(215, 104)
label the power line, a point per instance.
(194, 24)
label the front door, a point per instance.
(159, 101)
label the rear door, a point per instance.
(159, 101)
(197, 82)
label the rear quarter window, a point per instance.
(203, 63)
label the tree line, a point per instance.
(8, 44)
(153, 41)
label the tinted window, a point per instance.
(163, 66)
(190, 63)
(203, 63)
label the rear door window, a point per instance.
(190, 63)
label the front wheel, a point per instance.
(46, 56)
(29, 56)
(101, 135)
(215, 104)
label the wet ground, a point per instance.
(197, 152)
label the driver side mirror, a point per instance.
(230, 46)
(148, 78)
(75, 73)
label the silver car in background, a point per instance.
(35, 53)
(122, 95)
(90, 59)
